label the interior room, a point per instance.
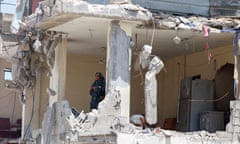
(187, 59)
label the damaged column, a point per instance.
(52, 122)
(119, 67)
(58, 73)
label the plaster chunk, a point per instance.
(111, 103)
(150, 88)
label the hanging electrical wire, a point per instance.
(6, 48)
(32, 114)
(9, 47)
(153, 33)
(214, 100)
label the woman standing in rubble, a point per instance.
(97, 90)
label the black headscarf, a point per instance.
(101, 77)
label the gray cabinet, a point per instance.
(193, 100)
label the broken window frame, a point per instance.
(7, 74)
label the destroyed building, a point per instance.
(174, 62)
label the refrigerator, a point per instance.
(194, 99)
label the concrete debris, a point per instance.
(150, 90)
(54, 124)
(76, 121)
(161, 136)
(132, 7)
(33, 51)
(167, 23)
(111, 103)
(113, 10)
(144, 57)
(71, 9)
(23, 74)
(216, 25)
(97, 121)
(49, 50)
(37, 46)
(84, 127)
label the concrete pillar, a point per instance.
(51, 122)
(119, 63)
(58, 79)
(30, 109)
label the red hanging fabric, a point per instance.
(206, 36)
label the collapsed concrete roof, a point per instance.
(64, 11)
